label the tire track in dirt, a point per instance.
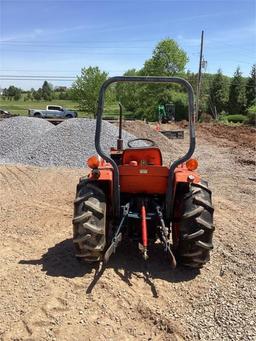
(43, 206)
(6, 180)
(30, 178)
(44, 317)
(18, 180)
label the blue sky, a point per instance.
(58, 38)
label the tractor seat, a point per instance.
(142, 156)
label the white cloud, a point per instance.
(39, 32)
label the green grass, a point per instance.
(112, 110)
(21, 107)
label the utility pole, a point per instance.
(199, 76)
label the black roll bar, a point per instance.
(191, 117)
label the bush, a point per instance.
(223, 113)
(233, 118)
(251, 110)
(251, 118)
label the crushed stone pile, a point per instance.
(18, 131)
(68, 144)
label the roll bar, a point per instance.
(191, 115)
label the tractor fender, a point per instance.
(104, 181)
(183, 175)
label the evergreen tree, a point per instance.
(218, 92)
(47, 91)
(37, 95)
(237, 99)
(251, 88)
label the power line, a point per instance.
(34, 45)
(84, 41)
(36, 79)
(32, 70)
(77, 52)
(38, 76)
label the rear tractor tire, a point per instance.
(89, 223)
(195, 226)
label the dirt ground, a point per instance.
(47, 295)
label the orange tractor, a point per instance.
(130, 193)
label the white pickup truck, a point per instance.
(52, 111)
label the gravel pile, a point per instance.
(17, 131)
(68, 144)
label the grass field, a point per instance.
(21, 107)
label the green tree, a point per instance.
(47, 91)
(251, 88)
(127, 93)
(38, 95)
(191, 77)
(237, 99)
(12, 93)
(17, 95)
(168, 59)
(86, 88)
(218, 92)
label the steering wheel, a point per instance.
(130, 142)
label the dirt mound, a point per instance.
(244, 136)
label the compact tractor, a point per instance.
(130, 193)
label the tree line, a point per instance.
(46, 93)
(220, 94)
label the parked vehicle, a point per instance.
(52, 111)
(6, 114)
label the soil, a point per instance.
(47, 295)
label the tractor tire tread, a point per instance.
(193, 213)
(207, 246)
(202, 202)
(195, 227)
(83, 198)
(204, 224)
(82, 218)
(193, 235)
(89, 223)
(94, 208)
(93, 228)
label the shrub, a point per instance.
(234, 118)
(251, 110)
(251, 115)
(251, 118)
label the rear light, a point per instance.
(192, 164)
(93, 162)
